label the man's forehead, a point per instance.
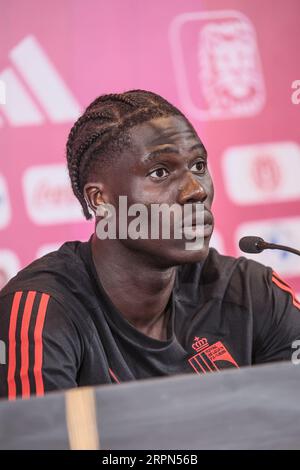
(164, 130)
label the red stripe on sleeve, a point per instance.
(285, 287)
(12, 346)
(279, 278)
(38, 344)
(25, 344)
(114, 376)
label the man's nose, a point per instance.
(191, 191)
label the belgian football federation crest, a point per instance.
(210, 358)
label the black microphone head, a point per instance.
(252, 244)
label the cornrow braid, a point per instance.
(112, 97)
(86, 117)
(102, 129)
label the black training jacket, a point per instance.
(59, 329)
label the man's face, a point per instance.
(167, 163)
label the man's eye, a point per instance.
(199, 167)
(159, 173)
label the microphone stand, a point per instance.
(273, 246)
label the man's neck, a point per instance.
(138, 290)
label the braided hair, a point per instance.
(101, 132)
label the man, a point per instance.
(126, 308)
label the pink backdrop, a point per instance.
(229, 65)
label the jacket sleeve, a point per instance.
(40, 348)
(276, 320)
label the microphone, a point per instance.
(257, 245)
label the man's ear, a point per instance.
(93, 194)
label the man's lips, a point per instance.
(192, 222)
(192, 227)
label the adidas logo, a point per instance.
(32, 91)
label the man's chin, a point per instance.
(168, 253)
(193, 256)
(175, 257)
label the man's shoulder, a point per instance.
(219, 267)
(236, 279)
(233, 264)
(52, 273)
(222, 277)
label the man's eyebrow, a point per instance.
(200, 147)
(171, 149)
(201, 150)
(162, 151)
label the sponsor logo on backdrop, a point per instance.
(42, 93)
(217, 65)
(261, 173)
(296, 94)
(48, 195)
(284, 231)
(9, 266)
(5, 212)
